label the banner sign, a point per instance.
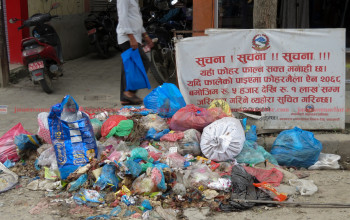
(290, 77)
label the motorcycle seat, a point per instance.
(29, 42)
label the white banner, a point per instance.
(291, 77)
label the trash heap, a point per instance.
(158, 159)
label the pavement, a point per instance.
(95, 83)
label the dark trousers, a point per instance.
(145, 60)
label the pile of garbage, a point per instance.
(157, 159)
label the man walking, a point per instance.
(130, 32)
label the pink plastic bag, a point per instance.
(273, 176)
(7, 145)
(172, 137)
(44, 131)
(192, 116)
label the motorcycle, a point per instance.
(160, 23)
(101, 30)
(42, 53)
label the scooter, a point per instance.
(101, 30)
(42, 53)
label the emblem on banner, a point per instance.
(309, 108)
(261, 42)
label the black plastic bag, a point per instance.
(243, 188)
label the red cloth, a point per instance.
(273, 176)
(110, 123)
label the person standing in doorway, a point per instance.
(130, 33)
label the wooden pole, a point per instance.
(297, 204)
(4, 70)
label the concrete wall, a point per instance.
(70, 25)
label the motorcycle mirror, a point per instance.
(55, 5)
(13, 20)
(174, 2)
(109, 0)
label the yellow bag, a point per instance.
(221, 104)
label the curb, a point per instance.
(17, 74)
(332, 144)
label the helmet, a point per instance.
(161, 4)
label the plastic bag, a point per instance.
(78, 183)
(139, 153)
(326, 162)
(190, 144)
(44, 130)
(305, 187)
(249, 155)
(251, 134)
(143, 184)
(96, 126)
(48, 158)
(242, 188)
(24, 143)
(219, 103)
(7, 145)
(223, 139)
(86, 196)
(134, 168)
(123, 129)
(154, 121)
(8, 179)
(110, 123)
(72, 136)
(272, 176)
(158, 179)
(272, 192)
(107, 177)
(152, 134)
(252, 153)
(175, 160)
(189, 117)
(175, 136)
(200, 174)
(297, 148)
(135, 73)
(220, 184)
(165, 100)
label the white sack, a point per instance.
(223, 139)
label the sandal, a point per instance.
(131, 100)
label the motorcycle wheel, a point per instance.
(46, 83)
(102, 49)
(162, 72)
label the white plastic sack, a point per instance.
(326, 162)
(48, 158)
(305, 187)
(223, 139)
(43, 130)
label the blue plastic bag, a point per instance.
(251, 134)
(252, 153)
(78, 183)
(166, 100)
(297, 148)
(26, 142)
(107, 177)
(152, 134)
(135, 73)
(72, 136)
